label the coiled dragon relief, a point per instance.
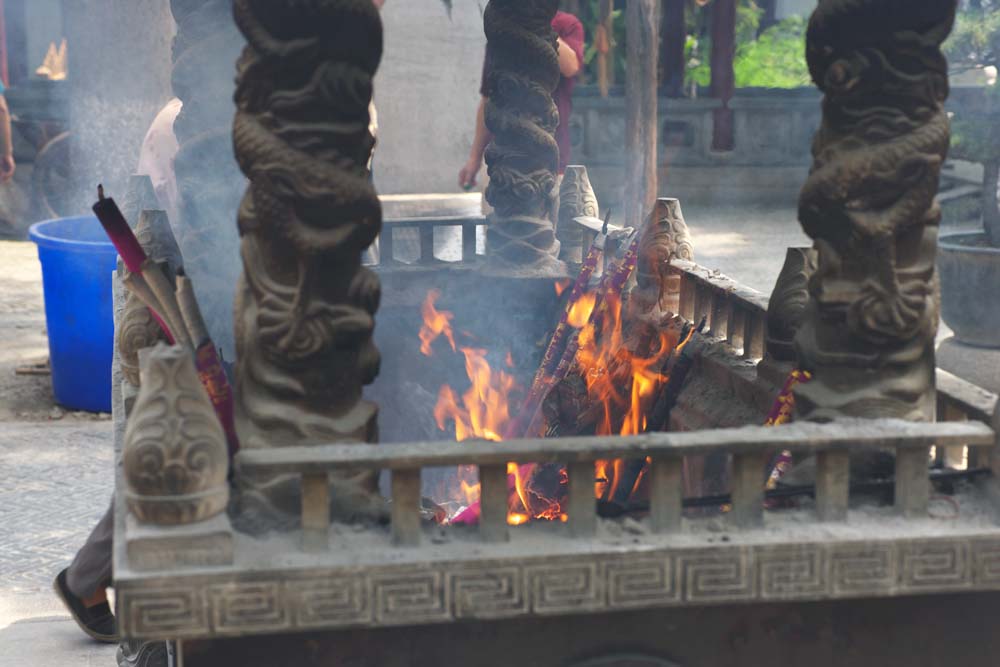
(869, 205)
(523, 158)
(305, 305)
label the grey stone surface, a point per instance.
(57, 481)
(51, 641)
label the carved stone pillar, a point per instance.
(868, 331)
(305, 305)
(788, 302)
(523, 158)
(576, 198)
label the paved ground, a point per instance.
(54, 485)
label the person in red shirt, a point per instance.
(569, 31)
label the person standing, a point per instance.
(570, 40)
(7, 164)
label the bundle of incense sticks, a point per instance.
(612, 283)
(551, 358)
(176, 310)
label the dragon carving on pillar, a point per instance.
(523, 158)
(869, 206)
(305, 305)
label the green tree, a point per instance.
(974, 45)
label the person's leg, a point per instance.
(83, 585)
(89, 575)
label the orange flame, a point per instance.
(561, 286)
(436, 323)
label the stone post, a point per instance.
(869, 205)
(523, 157)
(305, 305)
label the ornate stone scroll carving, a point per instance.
(576, 198)
(175, 455)
(137, 329)
(665, 237)
(868, 331)
(305, 305)
(787, 305)
(523, 158)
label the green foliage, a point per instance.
(590, 16)
(975, 41)
(776, 59)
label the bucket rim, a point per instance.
(38, 236)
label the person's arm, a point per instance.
(7, 165)
(467, 176)
(569, 61)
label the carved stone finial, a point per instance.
(524, 157)
(868, 331)
(665, 237)
(137, 329)
(140, 196)
(305, 305)
(175, 457)
(787, 305)
(576, 198)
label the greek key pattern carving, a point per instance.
(165, 613)
(245, 607)
(862, 569)
(642, 582)
(332, 601)
(711, 575)
(487, 594)
(933, 566)
(792, 573)
(564, 587)
(438, 592)
(402, 599)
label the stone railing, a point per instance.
(749, 446)
(414, 242)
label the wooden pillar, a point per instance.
(770, 16)
(641, 110)
(606, 56)
(723, 74)
(673, 35)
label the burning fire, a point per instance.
(622, 378)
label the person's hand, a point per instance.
(7, 168)
(467, 175)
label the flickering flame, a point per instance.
(561, 286)
(436, 323)
(580, 312)
(621, 383)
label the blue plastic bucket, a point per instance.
(77, 263)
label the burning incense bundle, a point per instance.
(176, 311)
(611, 286)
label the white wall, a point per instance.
(426, 92)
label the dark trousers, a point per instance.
(91, 568)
